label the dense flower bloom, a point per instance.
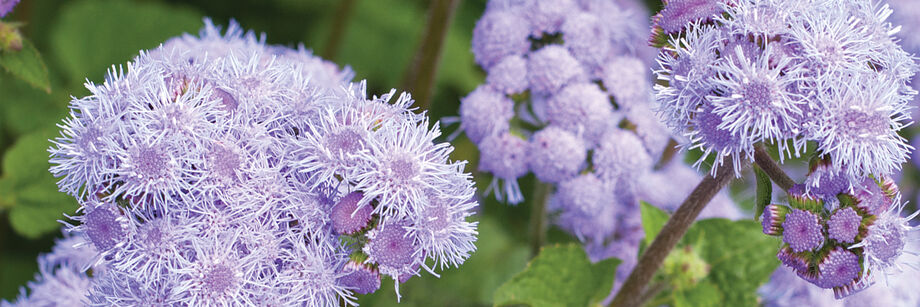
(787, 73)
(573, 108)
(217, 170)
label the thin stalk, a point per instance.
(420, 76)
(339, 23)
(631, 294)
(538, 217)
(773, 170)
(667, 155)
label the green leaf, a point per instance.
(34, 201)
(742, 258)
(27, 64)
(764, 192)
(705, 294)
(560, 275)
(92, 35)
(653, 219)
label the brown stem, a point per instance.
(538, 217)
(773, 170)
(420, 76)
(334, 41)
(631, 294)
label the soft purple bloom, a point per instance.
(678, 14)
(556, 154)
(843, 225)
(551, 68)
(485, 112)
(499, 34)
(509, 76)
(802, 230)
(6, 6)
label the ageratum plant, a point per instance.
(218, 170)
(567, 98)
(736, 75)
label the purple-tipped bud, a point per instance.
(825, 183)
(790, 259)
(843, 226)
(839, 268)
(347, 217)
(802, 231)
(6, 6)
(773, 217)
(556, 154)
(360, 278)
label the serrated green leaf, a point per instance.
(742, 258)
(764, 192)
(653, 219)
(560, 275)
(27, 64)
(34, 201)
(92, 35)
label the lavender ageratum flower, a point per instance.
(6, 6)
(509, 76)
(555, 154)
(485, 112)
(816, 62)
(843, 226)
(677, 14)
(505, 156)
(500, 34)
(61, 278)
(581, 108)
(551, 68)
(218, 170)
(802, 230)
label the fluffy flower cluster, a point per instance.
(787, 289)
(567, 98)
(218, 170)
(843, 243)
(787, 72)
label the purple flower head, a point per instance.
(860, 132)
(584, 202)
(626, 79)
(802, 230)
(678, 14)
(347, 217)
(6, 6)
(485, 112)
(790, 259)
(870, 197)
(394, 250)
(551, 68)
(555, 154)
(711, 137)
(825, 183)
(839, 268)
(360, 278)
(620, 153)
(586, 36)
(499, 34)
(843, 225)
(548, 16)
(217, 170)
(509, 76)
(581, 108)
(505, 156)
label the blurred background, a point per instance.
(79, 40)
